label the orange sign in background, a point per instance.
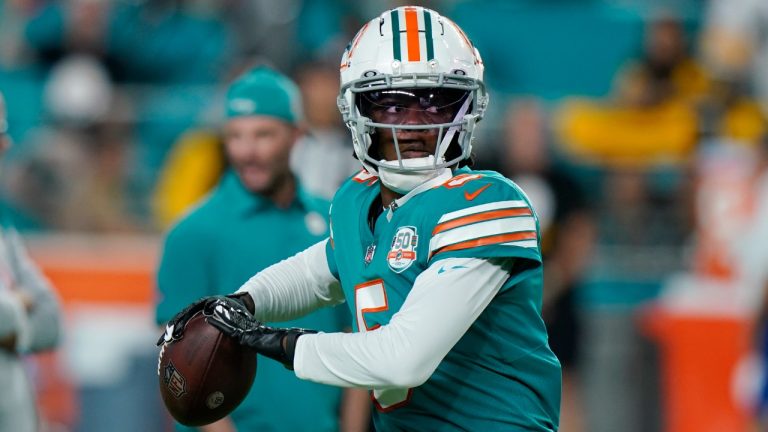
(106, 271)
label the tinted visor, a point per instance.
(422, 105)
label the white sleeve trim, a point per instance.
(295, 286)
(444, 302)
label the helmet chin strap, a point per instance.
(402, 182)
(443, 147)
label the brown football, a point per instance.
(204, 375)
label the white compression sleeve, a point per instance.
(295, 286)
(443, 303)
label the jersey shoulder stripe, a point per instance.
(507, 223)
(520, 239)
(499, 231)
(497, 205)
(479, 217)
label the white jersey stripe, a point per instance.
(481, 229)
(498, 205)
(523, 243)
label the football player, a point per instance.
(439, 265)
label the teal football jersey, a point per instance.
(501, 375)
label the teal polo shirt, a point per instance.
(232, 235)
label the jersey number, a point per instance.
(372, 297)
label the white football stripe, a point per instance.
(482, 229)
(523, 243)
(482, 208)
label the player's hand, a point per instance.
(174, 330)
(276, 343)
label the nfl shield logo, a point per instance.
(402, 253)
(369, 251)
(174, 380)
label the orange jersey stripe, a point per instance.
(479, 217)
(412, 34)
(501, 238)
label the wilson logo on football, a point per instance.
(214, 400)
(403, 251)
(175, 381)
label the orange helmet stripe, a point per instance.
(412, 34)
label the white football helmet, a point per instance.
(412, 50)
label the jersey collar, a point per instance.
(429, 184)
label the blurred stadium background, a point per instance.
(655, 109)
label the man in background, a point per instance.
(323, 159)
(29, 319)
(258, 215)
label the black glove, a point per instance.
(174, 330)
(276, 343)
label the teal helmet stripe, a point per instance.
(396, 34)
(428, 35)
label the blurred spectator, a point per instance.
(71, 173)
(666, 68)
(54, 30)
(726, 167)
(735, 50)
(14, 53)
(168, 41)
(567, 239)
(323, 158)
(729, 112)
(257, 216)
(651, 117)
(152, 41)
(735, 45)
(29, 321)
(724, 204)
(643, 141)
(79, 91)
(257, 24)
(196, 161)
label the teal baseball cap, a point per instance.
(263, 91)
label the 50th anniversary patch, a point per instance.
(402, 253)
